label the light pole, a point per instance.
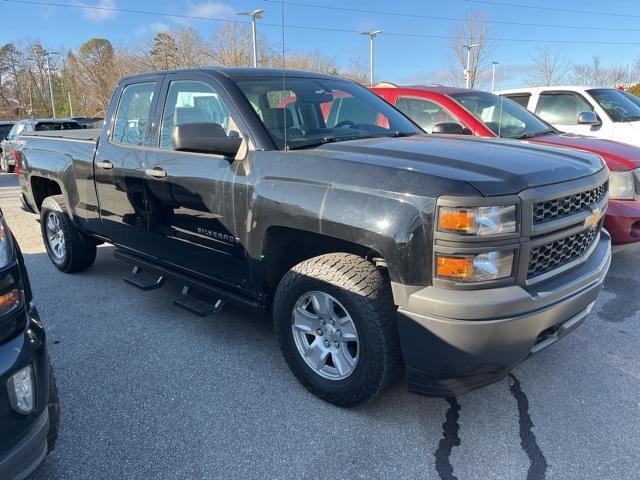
(493, 76)
(48, 62)
(373, 34)
(255, 15)
(467, 71)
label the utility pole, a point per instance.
(70, 104)
(255, 15)
(48, 62)
(372, 35)
(493, 76)
(467, 71)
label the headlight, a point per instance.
(475, 268)
(477, 220)
(20, 390)
(622, 186)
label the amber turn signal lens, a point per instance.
(456, 220)
(9, 300)
(458, 268)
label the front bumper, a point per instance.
(455, 341)
(24, 458)
(623, 221)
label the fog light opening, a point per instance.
(21, 391)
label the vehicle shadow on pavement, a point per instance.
(150, 391)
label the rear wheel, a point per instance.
(69, 249)
(4, 165)
(335, 322)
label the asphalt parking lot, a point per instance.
(151, 392)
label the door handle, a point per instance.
(156, 172)
(105, 165)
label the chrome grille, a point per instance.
(569, 205)
(559, 252)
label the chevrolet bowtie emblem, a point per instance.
(593, 220)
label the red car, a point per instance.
(449, 110)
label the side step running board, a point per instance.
(142, 282)
(198, 307)
(218, 294)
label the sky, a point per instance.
(411, 58)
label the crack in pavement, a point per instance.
(450, 438)
(538, 463)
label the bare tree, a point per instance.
(474, 29)
(596, 74)
(549, 67)
(357, 70)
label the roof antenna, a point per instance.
(284, 78)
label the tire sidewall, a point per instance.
(368, 341)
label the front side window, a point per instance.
(617, 105)
(132, 119)
(425, 113)
(562, 108)
(502, 116)
(190, 101)
(304, 112)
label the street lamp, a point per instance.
(255, 15)
(467, 72)
(371, 35)
(493, 76)
(47, 56)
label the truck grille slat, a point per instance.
(554, 254)
(569, 205)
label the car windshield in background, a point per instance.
(304, 112)
(616, 104)
(4, 130)
(502, 116)
(631, 97)
(50, 126)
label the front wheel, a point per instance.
(335, 323)
(69, 249)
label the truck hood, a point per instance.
(618, 156)
(492, 166)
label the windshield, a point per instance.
(49, 126)
(502, 116)
(616, 104)
(632, 97)
(303, 112)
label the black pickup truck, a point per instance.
(375, 247)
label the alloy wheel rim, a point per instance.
(55, 236)
(325, 335)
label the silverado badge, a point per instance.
(593, 220)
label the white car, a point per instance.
(598, 112)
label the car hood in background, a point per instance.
(618, 156)
(493, 166)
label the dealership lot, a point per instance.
(150, 391)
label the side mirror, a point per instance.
(588, 118)
(449, 128)
(204, 137)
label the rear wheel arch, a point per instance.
(42, 187)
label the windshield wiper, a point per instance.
(536, 134)
(343, 138)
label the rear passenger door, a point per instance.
(120, 164)
(191, 196)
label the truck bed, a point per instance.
(91, 134)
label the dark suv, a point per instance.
(29, 410)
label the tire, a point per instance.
(353, 286)
(54, 411)
(4, 165)
(68, 248)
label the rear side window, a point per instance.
(424, 112)
(132, 119)
(190, 101)
(562, 108)
(520, 98)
